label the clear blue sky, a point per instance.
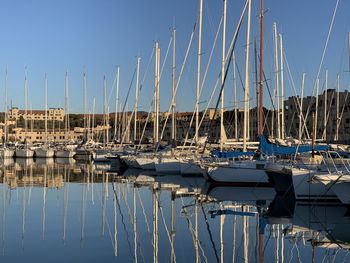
(54, 36)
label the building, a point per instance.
(39, 135)
(332, 120)
(56, 114)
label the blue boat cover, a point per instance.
(230, 154)
(269, 148)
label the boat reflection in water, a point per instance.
(65, 211)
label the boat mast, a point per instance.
(156, 94)
(173, 120)
(158, 80)
(256, 82)
(105, 110)
(349, 48)
(198, 67)
(316, 109)
(66, 123)
(261, 130)
(93, 119)
(337, 111)
(222, 128)
(116, 116)
(235, 95)
(282, 87)
(45, 110)
(25, 106)
(136, 97)
(246, 83)
(85, 103)
(325, 108)
(277, 80)
(313, 133)
(5, 126)
(301, 107)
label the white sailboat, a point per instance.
(307, 185)
(165, 164)
(6, 152)
(339, 184)
(245, 171)
(23, 151)
(45, 151)
(66, 151)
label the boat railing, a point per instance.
(341, 167)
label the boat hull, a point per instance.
(168, 166)
(281, 177)
(24, 153)
(44, 153)
(305, 188)
(191, 168)
(130, 161)
(342, 190)
(146, 163)
(239, 174)
(64, 154)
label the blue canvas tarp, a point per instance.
(274, 149)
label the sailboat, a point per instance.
(23, 151)
(45, 151)
(6, 152)
(66, 151)
(245, 170)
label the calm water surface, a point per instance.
(56, 211)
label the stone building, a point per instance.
(56, 114)
(329, 127)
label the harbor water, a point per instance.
(56, 210)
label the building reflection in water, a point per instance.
(82, 211)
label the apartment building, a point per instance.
(56, 114)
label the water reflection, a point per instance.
(58, 210)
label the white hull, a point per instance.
(342, 190)
(168, 165)
(24, 153)
(44, 153)
(64, 154)
(146, 163)
(191, 168)
(6, 153)
(307, 189)
(244, 172)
